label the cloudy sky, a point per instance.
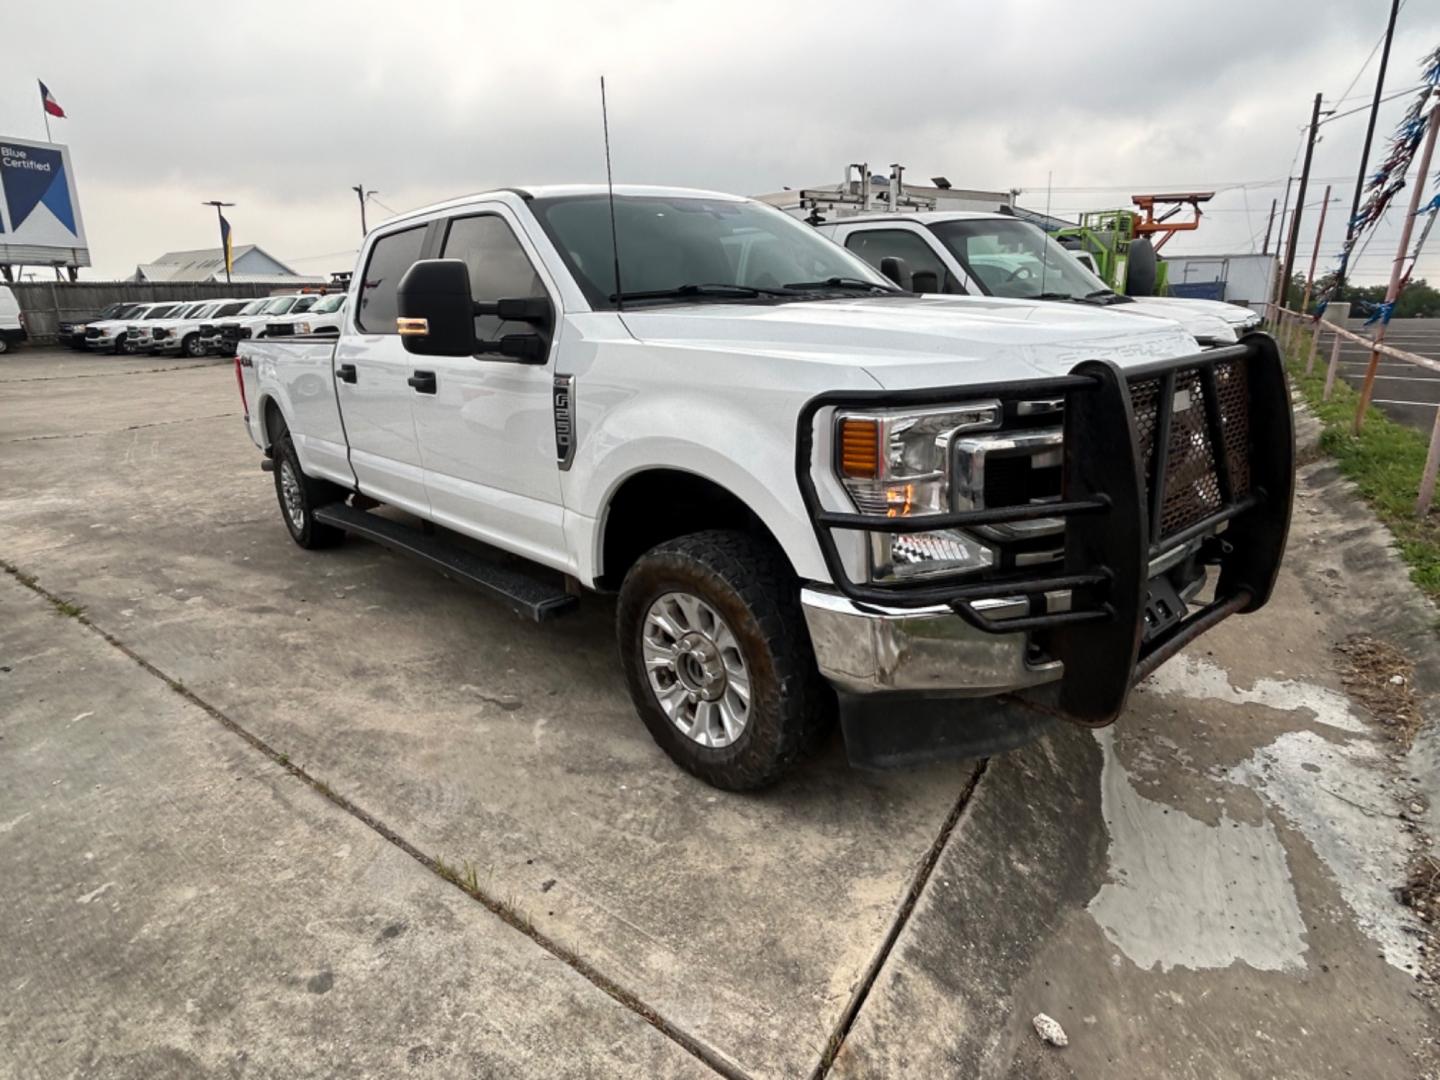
(281, 107)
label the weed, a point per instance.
(1385, 462)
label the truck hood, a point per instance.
(1205, 326)
(906, 342)
(1239, 318)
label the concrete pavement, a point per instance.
(916, 920)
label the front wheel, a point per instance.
(718, 659)
(191, 346)
(4, 346)
(300, 496)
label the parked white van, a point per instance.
(12, 323)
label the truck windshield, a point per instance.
(162, 312)
(254, 307)
(686, 249)
(279, 305)
(328, 304)
(1015, 258)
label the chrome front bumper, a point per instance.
(869, 649)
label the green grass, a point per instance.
(1385, 462)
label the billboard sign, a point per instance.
(39, 211)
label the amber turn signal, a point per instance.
(859, 447)
(412, 327)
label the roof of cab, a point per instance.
(555, 191)
(926, 216)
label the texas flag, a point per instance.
(51, 105)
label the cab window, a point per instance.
(391, 256)
(498, 265)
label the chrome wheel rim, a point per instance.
(291, 498)
(696, 669)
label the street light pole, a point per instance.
(220, 219)
(363, 195)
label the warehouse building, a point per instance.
(252, 263)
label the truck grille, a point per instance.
(1193, 485)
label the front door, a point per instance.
(372, 372)
(486, 432)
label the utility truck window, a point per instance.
(1015, 258)
(389, 259)
(692, 250)
(872, 245)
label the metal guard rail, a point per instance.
(1111, 511)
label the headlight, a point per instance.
(302, 328)
(896, 464)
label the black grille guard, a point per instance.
(1113, 503)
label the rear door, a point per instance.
(371, 373)
(486, 425)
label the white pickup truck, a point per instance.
(807, 486)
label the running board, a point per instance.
(526, 593)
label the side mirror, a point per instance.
(894, 268)
(436, 314)
(925, 281)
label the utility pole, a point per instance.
(1299, 202)
(1369, 134)
(1280, 242)
(363, 195)
(1269, 224)
(224, 233)
(1315, 254)
(1397, 269)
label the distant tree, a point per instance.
(1418, 300)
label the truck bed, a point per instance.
(298, 374)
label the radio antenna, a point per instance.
(610, 187)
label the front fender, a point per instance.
(748, 451)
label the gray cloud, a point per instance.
(281, 107)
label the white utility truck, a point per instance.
(956, 252)
(807, 485)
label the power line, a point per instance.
(1373, 50)
(1363, 108)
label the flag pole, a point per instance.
(46, 114)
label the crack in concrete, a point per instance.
(897, 925)
(516, 920)
(112, 374)
(118, 431)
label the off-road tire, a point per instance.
(749, 583)
(311, 494)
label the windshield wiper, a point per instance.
(1106, 296)
(843, 283)
(719, 289)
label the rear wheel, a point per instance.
(300, 496)
(718, 659)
